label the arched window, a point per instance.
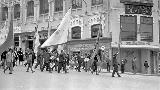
(44, 6)
(58, 5)
(4, 13)
(30, 8)
(16, 11)
(76, 32)
(94, 30)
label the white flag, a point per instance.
(61, 34)
(37, 43)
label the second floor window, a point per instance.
(30, 8)
(58, 5)
(76, 4)
(76, 32)
(97, 2)
(146, 28)
(4, 13)
(128, 26)
(16, 11)
(44, 6)
(95, 29)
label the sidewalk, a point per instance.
(130, 73)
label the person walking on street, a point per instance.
(108, 64)
(46, 57)
(61, 62)
(39, 59)
(86, 59)
(115, 65)
(9, 61)
(3, 59)
(79, 62)
(115, 70)
(122, 66)
(20, 56)
(29, 62)
(134, 65)
(94, 65)
(146, 67)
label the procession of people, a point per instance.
(52, 61)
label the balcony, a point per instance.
(43, 17)
(77, 11)
(30, 19)
(58, 15)
(97, 8)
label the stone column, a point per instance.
(52, 11)
(138, 28)
(64, 7)
(0, 12)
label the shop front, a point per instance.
(143, 51)
(87, 46)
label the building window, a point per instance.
(97, 2)
(4, 13)
(146, 28)
(76, 32)
(128, 26)
(94, 30)
(16, 11)
(44, 6)
(58, 5)
(76, 4)
(16, 41)
(30, 8)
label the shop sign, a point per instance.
(80, 47)
(136, 43)
(133, 43)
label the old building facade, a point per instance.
(134, 23)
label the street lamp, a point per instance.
(119, 43)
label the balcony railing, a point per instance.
(97, 8)
(58, 15)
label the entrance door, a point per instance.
(153, 63)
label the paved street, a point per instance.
(21, 80)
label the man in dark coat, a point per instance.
(39, 59)
(3, 59)
(46, 57)
(20, 55)
(94, 64)
(61, 63)
(115, 65)
(79, 62)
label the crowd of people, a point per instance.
(54, 61)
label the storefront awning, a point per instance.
(137, 46)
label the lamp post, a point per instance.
(119, 43)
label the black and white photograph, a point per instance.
(79, 44)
